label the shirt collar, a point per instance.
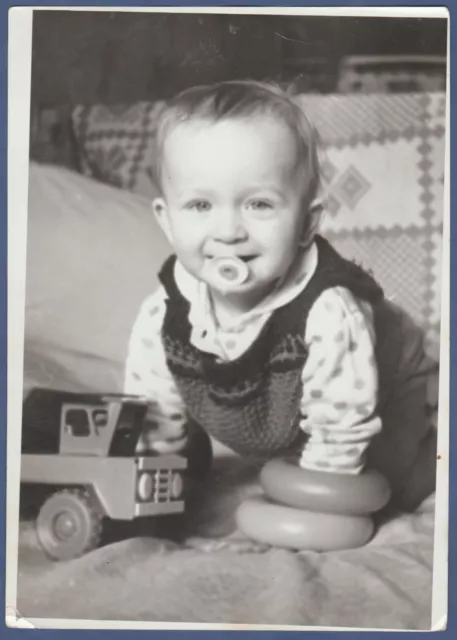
(197, 294)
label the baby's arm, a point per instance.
(340, 384)
(147, 374)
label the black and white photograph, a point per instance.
(228, 373)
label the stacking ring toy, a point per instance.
(324, 492)
(295, 529)
(227, 273)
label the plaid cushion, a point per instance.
(114, 144)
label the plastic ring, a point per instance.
(296, 529)
(325, 492)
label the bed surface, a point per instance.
(192, 568)
(147, 577)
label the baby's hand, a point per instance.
(155, 439)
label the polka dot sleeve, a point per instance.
(147, 374)
(340, 384)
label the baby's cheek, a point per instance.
(280, 259)
(283, 243)
(190, 240)
(190, 257)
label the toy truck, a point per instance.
(83, 448)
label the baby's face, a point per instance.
(229, 190)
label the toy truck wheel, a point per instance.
(69, 524)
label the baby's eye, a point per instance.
(260, 205)
(199, 205)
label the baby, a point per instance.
(260, 332)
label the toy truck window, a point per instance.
(100, 417)
(77, 423)
(126, 435)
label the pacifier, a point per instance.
(226, 273)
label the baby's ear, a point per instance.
(316, 210)
(313, 221)
(160, 210)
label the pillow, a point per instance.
(93, 254)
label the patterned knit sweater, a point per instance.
(252, 404)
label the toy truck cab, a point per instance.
(92, 467)
(110, 428)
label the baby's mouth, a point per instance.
(247, 258)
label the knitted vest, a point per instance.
(252, 404)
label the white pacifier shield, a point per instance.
(226, 273)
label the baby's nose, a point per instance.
(229, 227)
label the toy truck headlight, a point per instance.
(145, 486)
(176, 485)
